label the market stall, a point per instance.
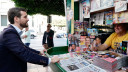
(89, 30)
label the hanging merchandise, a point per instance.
(73, 43)
(92, 32)
(98, 18)
(86, 8)
(106, 3)
(95, 4)
(101, 18)
(120, 6)
(81, 27)
(108, 17)
(70, 15)
(93, 19)
(121, 17)
(82, 42)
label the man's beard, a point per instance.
(24, 25)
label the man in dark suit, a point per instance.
(14, 55)
(47, 41)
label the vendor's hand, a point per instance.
(111, 51)
(114, 53)
(42, 52)
(44, 45)
(94, 49)
(55, 59)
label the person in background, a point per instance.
(47, 41)
(118, 36)
(14, 55)
(28, 36)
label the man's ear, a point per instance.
(16, 19)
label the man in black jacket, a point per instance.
(14, 55)
(48, 38)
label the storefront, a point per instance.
(89, 24)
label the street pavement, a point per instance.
(37, 45)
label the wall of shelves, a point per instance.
(101, 26)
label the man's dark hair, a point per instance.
(14, 12)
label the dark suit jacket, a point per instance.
(14, 55)
(49, 36)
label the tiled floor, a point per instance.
(37, 45)
(38, 68)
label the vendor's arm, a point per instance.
(101, 47)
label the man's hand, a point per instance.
(55, 59)
(45, 46)
(25, 36)
(42, 52)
